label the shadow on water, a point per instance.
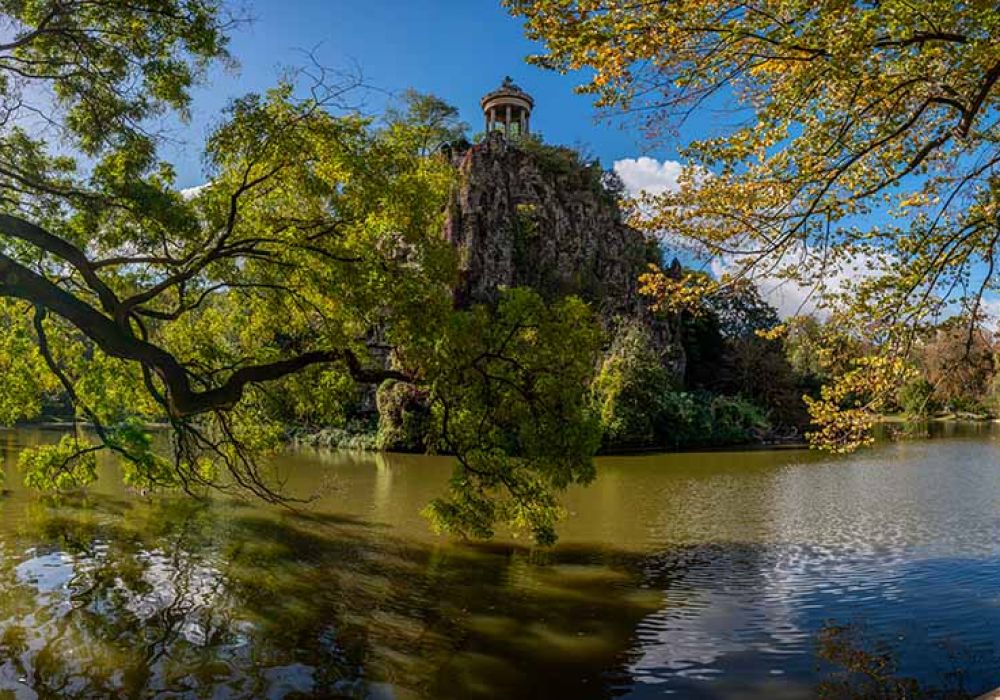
(102, 598)
(865, 669)
(714, 576)
(105, 597)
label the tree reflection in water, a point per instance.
(104, 597)
(864, 667)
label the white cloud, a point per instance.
(192, 192)
(800, 281)
(990, 309)
(795, 284)
(649, 175)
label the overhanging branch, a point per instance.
(181, 400)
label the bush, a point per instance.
(915, 398)
(630, 389)
(405, 423)
(736, 420)
(357, 434)
(703, 419)
(640, 406)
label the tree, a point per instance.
(916, 399)
(741, 311)
(630, 390)
(867, 146)
(313, 249)
(433, 121)
(958, 364)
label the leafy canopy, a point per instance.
(314, 252)
(849, 113)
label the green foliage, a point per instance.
(508, 392)
(110, 65)
(642, 407)
(756, 368)
(69, 464)
(807, 350)
(916, 398)
(704, 348)
(356, 435)
(427, 121)
(992, 398)
(317, 396)
(26, 379)
(702, 419)
(404, 418)
(554, 161)
(562, 162)
(736, 420)
(741, 311)
(631, 389)
(526, 220)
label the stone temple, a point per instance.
(507, 110)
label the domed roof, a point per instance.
(507, 89)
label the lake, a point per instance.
(755, 574)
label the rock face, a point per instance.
(534, 216)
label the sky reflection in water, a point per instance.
(703, 575)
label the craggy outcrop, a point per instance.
(533, 215)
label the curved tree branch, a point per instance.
(181, 399)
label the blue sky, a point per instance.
(456, 49)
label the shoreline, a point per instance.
(340, 439)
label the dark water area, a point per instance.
(758, 574)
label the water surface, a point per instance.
(698, 575)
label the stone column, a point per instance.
(493, 119)
(527, 123)
(506, 127)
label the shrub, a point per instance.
(684, 420)
(693, 419)
(405, 423)
(736, 420)
(915, 398)
(640, 406)
(630, 389)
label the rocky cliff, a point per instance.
(534, 215)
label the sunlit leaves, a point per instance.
(25, 379)
(843, 414)
(508, 389)
(69, 464)
(840, 116)
(111, 65)
(671, 295)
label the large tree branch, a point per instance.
(181, 400)
(989, 81)
(28, 232)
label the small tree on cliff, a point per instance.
(315, 232)
(433, 121)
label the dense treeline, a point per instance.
(863, 136)
(741, 380)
